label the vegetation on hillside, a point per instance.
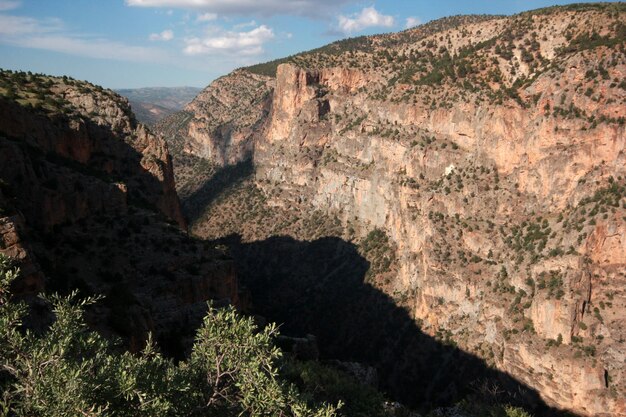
(484, 59)
(54, 96)
(69, 370)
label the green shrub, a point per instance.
(323, 383)
(70, 370)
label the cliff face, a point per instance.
(491, 151)
(225, 116)
(88, 201)
(102, 134)
(536, 169)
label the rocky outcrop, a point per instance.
(225, 118)
(12, 245)
(88, 202)
(581, 384)
(102, 135)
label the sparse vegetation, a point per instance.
(409, 148)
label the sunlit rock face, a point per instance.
(491, 152)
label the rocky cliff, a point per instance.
(97, 130)
(88, 201)
(490, 151)
(226, 116)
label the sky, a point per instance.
(149, 43)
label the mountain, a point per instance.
(88, 202)
(438, 203)
(88, 209)
(151, 104)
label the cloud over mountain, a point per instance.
(366, 18)
(230, 42)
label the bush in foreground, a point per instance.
(70, 370)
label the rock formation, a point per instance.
(490, 150)
(88, 201)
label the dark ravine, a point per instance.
(488, 150)
(318, 287)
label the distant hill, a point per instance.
(152, 104)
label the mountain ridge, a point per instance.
(489, 152)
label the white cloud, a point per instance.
(230, 42)
(312, 8)
(412, 21)
(22, 25)
(49, 34)
(9, 5)
(207, 17)
(368, 17)
(166, 35)
(249, 24)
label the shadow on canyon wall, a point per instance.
(309, 287)
(62, 167)
(88, 217)
(318, 287)
(224, 179)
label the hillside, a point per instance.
(89, 215)
(88, 201)
(477, 164)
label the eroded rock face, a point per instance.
(492, 152)
(538, 166)
(13, 246)
(103, 136)
(88, 202)
(225, 117)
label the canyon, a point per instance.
(477, 166)
(88, 202)
(440, 211)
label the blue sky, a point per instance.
(141, 43)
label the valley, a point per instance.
(437, 214)
(154, 103)
(485, 154)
